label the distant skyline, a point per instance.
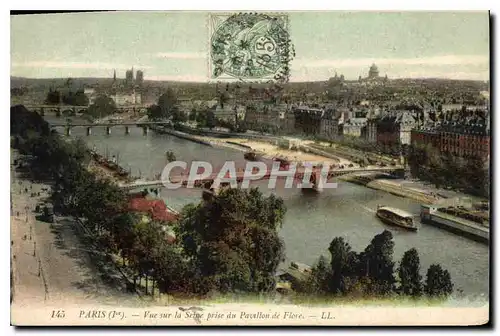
(173, 46)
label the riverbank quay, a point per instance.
(431, 201)
(351, 153)
(49, 263)
(179, 134)
(371, 181)
(432, 214)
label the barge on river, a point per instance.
(396, 217)
(468, 227)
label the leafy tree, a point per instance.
(193, 115)
(167, 103)
(438, 282)
(53, 97)
(102, 106)
(343, 265)
(210, 120)
(154, 112)
(178, 115)
(233, 239)
(78, 98)
(377, 263)
(319, 280)
(409, 274)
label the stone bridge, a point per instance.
(145, 125)
(69, 110)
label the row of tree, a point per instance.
(227, 244)
(446, 170)
(77, 98)
(373, 272)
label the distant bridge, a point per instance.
(73, 109)
(145, 125)
(299, 175)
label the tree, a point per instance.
(178, 115)
(210, 120)
(409, 274)
(376, 262)
(438, 282)
(167, 102)
(102, 106)
(233, 240)
(193, 115)
(343, 265)
(78, 98)
(53, 97)
(319, 280)
(154, 112)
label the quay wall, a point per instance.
(456, 225)
(181, 135)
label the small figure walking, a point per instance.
(34, 249)
(39, 267)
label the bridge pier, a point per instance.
(108, 130)
(127, 130)
(89, 130)
(145, 130)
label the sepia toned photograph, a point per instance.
(253, 168)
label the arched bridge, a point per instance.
(145, 125)
(73, 110)
(299, 174)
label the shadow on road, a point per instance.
(99, 274)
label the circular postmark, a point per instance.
(251, 46)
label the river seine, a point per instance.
(311, 222)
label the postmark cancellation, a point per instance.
(250, 46)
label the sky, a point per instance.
(175, 45)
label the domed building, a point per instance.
(373, 72)
(373, 76)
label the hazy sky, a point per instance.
(174, 45)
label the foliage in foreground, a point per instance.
(372, 273)
(226, 244)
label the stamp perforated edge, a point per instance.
(211, 31)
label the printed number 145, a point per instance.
(57, 314)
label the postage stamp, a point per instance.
(250, 46)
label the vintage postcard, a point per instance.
(322, 168)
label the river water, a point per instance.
(311, 222)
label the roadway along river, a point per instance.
(311, 222)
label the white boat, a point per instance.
(397, 217)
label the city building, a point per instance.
(353, 127)
(373, 77)
(126, 98)
(330, 124)
(129, 77)
(308, 119)
(139, 78)
(123, 92)
(458, 134)
(394, 128)
(268, 116)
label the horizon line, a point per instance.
(214, 81)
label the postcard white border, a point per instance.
(198, 5)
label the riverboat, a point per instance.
(397, 217)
